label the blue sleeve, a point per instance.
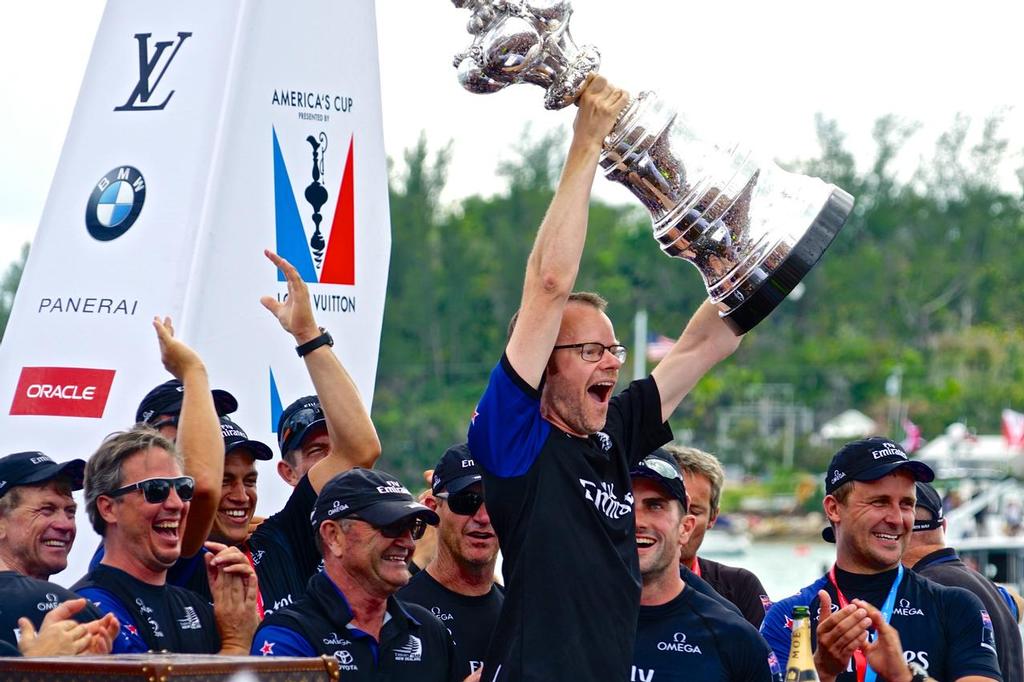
(128, 641)
(275, 640)
(1010, 602)
(507, 432)
(777, 627)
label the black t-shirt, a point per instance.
(946, 568)
(945, 630)
(700, 585)
(470, 620)
(695, 639)
(22, 596)
(739, 586)
(414, 646)
(282, 551)
(562, 508)
(152, 617)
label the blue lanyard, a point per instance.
(868, 674)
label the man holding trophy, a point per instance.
(556, 448)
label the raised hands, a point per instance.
(178, 358)
(234, 587)
(296, 313)
(839, 634)
(60, 635)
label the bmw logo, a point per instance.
(115, 203)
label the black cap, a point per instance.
(23, 468)
(869, 459)
(662, 467)
(928, 498)
(166, 399)
(235, 439)
(376, 497)
(456, 471)
(296, 421)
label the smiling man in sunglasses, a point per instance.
(555, 447)
(458, 586)
(366, 523)
(138, 500)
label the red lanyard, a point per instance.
(860, 661)
(696, 566)
(259, 596)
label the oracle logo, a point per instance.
(62, 391)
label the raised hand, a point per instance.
(178, 358)
(600, 105)
(885, 654)
(296, 313)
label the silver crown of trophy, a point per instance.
(752, 229)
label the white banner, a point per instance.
(204, 133)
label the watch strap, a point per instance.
(325, 339)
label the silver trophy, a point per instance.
(752, 229)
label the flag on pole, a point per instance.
(912, 436)
(658, 347)
(1013, 428)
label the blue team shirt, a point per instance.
(693, 638)
(945, 630)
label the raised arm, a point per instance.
(705, 342)
(199, 439)
(555, 258)
(354, 441)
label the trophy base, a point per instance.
(804, 255)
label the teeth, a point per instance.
(644, 542)
(55, 543)
(167, 525)
(236, 513)
(886, 536)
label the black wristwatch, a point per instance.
(324, 339)
(919, 673)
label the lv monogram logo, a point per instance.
(138, 100)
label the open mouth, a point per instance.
(643, 542)
(167, 529)
(398, 556)
(54, 543)
(887, 537)
(236, 516)
(601, 391)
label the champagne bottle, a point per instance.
(800, 667)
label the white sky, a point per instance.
(752, 71)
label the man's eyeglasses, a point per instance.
(463, 503)
(156, 490)
(397, 529)
(592, 351)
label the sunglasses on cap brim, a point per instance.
(299, 421)
(157, 490)
(662, 468)
(464, 503)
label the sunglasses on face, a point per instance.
(166, 421)
(156, 490)
(463, 503)
(397, 529)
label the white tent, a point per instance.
(848, 425)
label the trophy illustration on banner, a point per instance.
(752, 229)
(316, 195)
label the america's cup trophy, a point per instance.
(752, 229)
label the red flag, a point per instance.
(912, 439)
(1013, 428)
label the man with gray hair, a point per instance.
(704, 480)
(138, 500)
(37, 530)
